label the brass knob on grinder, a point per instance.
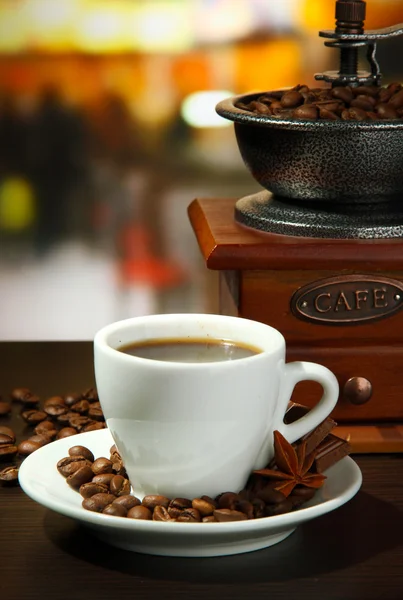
(357, 390)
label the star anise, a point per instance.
(292, 467)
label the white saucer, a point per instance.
(40, 479)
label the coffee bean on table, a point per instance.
(7, 431)
(7, 451)
(66, 432)
(34, 416)
(72, 398)
(26, 447)
(91, 395)
(5, 408)
(46, 427)
(81, 407)
(41, 438)
(81, 451)
(139, 512)
(9, 476)
(94, 426)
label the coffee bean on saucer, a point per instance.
(69, 464)
(270, 496)
(278, 509)
(180, 503)
(204, 507)
(259, 508)
(227, 500)
(102, 465)
(128, 501)
(189, 515)
(226, 514)
(151, 501)
(116, 510)
(91, 488)
(81, 451)
(9, 433)
(34, 416)
(160, 513)
(66, 432)
(300, 495)
(5, 408)
(9, 476)
(78, 478)
(103, 478)
(97, 502)
(27, 447)
(246, 507)
(119, 486)
(7, 451)
(139, 512)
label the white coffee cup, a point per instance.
(189, 429)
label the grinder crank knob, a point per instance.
(357, 390)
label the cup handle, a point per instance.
(295, 372)
(307, 371)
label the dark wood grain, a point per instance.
(354, 553)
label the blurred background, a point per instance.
(108, 132)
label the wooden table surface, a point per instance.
(355, 552)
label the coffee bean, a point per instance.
(128, 501)
(227, 500)
(93, 426)
(9, 476)
(364, 102)
(353, 114)
(189, 515)
(204, 507)
(95, 413)
(113, 450)
(117, 466)
(5, 408)
(91, 395)
(260, 108)
(83, 475)
(119, 486)
(386, 111)
(8, 432)
(7, 451)
(72, 398)
(54, 401)
(225, 514)
(66, 432)
(115, 510)
(102, 465)
(397, 100)
(343, 93)
(270, 496)
(46, 427)
(328, 115)
(26, 447)
(174, 513)
(55, 410)
(151, 501)
(81, 451)
(139, 512)
(6, 440)
(103, 478)
(79, 421)
(64, 418)
(20, 394)
(180, 503)
(209, 519)
(246, 507)
(307, 111)
(91, 488)
(366, 90)
(41, 438)
(97, 502)
(259, 508)
(69, 464)
(34, 416)
(300, 495)
(291, 99)
(161, 514)
(81, 407)
(278, 509)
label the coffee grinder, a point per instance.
(318, 253)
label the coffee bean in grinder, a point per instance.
(318, 253)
